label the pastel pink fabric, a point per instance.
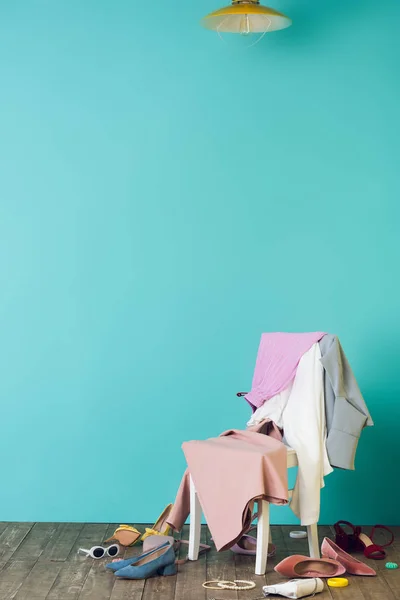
(277, 360)
(229, 473)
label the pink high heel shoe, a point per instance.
(353, 566)
(304, 566)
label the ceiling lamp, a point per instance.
(246, 17)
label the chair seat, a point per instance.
(291, 458)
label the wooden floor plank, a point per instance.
(71, 579)
(396, 532)
(13, 576)
(245, 565)
(392, 576)
(40, 562)
(244, 569)
(39, 581)
(129, 589)
(99, 582)
(220, 565)
(349, 593)
(192, 574)
(61, 543)
(3, 526)
(271, 576)
(366, 588)
(11, 538)
(294, 545)
(300, 546)
(392, 579)
(36, 541)
(158, 588)
(375, 588)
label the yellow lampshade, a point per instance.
(245, 17)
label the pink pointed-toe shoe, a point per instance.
(304, 566)
(353, 566)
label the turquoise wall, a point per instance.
(164, 199)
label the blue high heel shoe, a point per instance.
(159, 562)
(121, 564)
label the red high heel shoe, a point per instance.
(372, 550)
(360, 542)
(349, 542)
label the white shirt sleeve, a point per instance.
(305, 431)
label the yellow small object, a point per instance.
(338, 582)
(160, 527)
(126, 535)
(149, 532)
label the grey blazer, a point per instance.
(345, 410)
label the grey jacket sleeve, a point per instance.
(345, 410)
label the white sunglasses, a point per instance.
(99, 552)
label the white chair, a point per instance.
(263, 528)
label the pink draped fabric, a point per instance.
(277, 360)
(229, 473)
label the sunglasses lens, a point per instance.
(98, 552)
(113, 550)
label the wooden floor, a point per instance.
(40, 562)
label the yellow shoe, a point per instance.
(160, 526)
(126, 535)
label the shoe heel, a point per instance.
(168, 570)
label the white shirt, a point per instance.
(300, 411)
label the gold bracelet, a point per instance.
(249, 585)
(207, 585)
(229, 585)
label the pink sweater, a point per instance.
(278, 357)
(229, 473)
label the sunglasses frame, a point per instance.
(106, 551)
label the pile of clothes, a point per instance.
(304, 396)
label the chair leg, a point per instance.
(262, 537)
(195, 524)
(313, 545)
